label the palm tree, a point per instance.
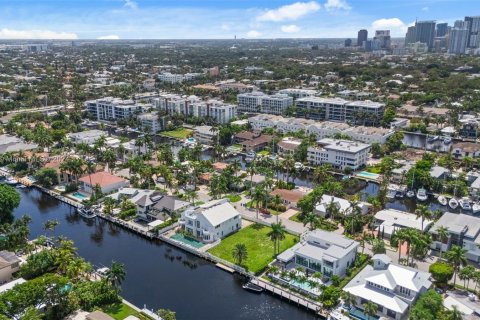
(257, 197)
(348, 299)
(370, 309)
(166, 314)
(466, 274)
(192, 195)
(322, 173)
(365, 238)
(456, 257)
(116, 274)
(442, 234)
(455, 314)
(240, 253)
(251, 170)
(312, 219)
(355, 212)
(50, 225)
(277, 234)
(423, 212)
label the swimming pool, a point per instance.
(187, 240)
(368, 175)
(78, 195)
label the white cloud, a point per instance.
(290, 28)
(131, 4)
(425, 8)
(109, 37)
(35, 34)
(290, 12)
(253, 34)
(337, 5)
(395, 25)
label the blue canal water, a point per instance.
(158, 274)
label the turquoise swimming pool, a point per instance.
(79, 196)
(368, 175)
(187, 240)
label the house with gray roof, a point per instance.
(393, 288)
(463, 230)
(211, 221)
(9, 264)
(322, 251)
(9, 143)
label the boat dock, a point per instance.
(224, 267)
(292, 297)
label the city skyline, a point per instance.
(213, 19)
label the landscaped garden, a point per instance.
(258, 245)
(120, 311)
(179, 133)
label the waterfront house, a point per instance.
(344, 206)
(167, 204)
(108, 182)
(9, 143)
(144, 200)
(463, 230)
(9, 264)
(322, 251)
(461, 150)
(388, 221)
(290, 197)
(393, 288)
(287, 146)
(211, 221)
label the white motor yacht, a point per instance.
(465, 204)
(453, 203)
(422, 194)
(442, 200)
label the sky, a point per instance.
(219, 19)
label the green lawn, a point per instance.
(233, 198)
(259, 246)
(264, 153)
(120, 311)
(180, 133)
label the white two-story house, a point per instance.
(322, 251)
(211, 221)
(393, 288)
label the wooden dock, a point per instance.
(224, 267)
(297, 299)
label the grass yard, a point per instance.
(179, 133)
(120, 311)
(233, 198)
(264, 153)
(259, 246)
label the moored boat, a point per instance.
(86, 213)
(442, 200)
(422, 194)
(252, 287)
(465, 204)
(11, 180)
(476, 207)
(392, 191)
(410, 194)
(453, 203)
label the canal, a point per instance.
(158, 275)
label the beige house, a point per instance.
(9, 264)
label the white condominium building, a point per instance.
(299, 93)
(151, 122)
(196, 107)
(321, 130)
(339, 153)
(263, 103)
(337, 109)
(177, 78)
(112, 109)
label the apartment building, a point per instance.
(321, 130)
(151, 122)
(339, 153)
(177, 78)
(393, 288)
(113, 109)
(170, 103)
(211, 221)
(336, 109)
(322, 251)
(299, 93)
(263, 103)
